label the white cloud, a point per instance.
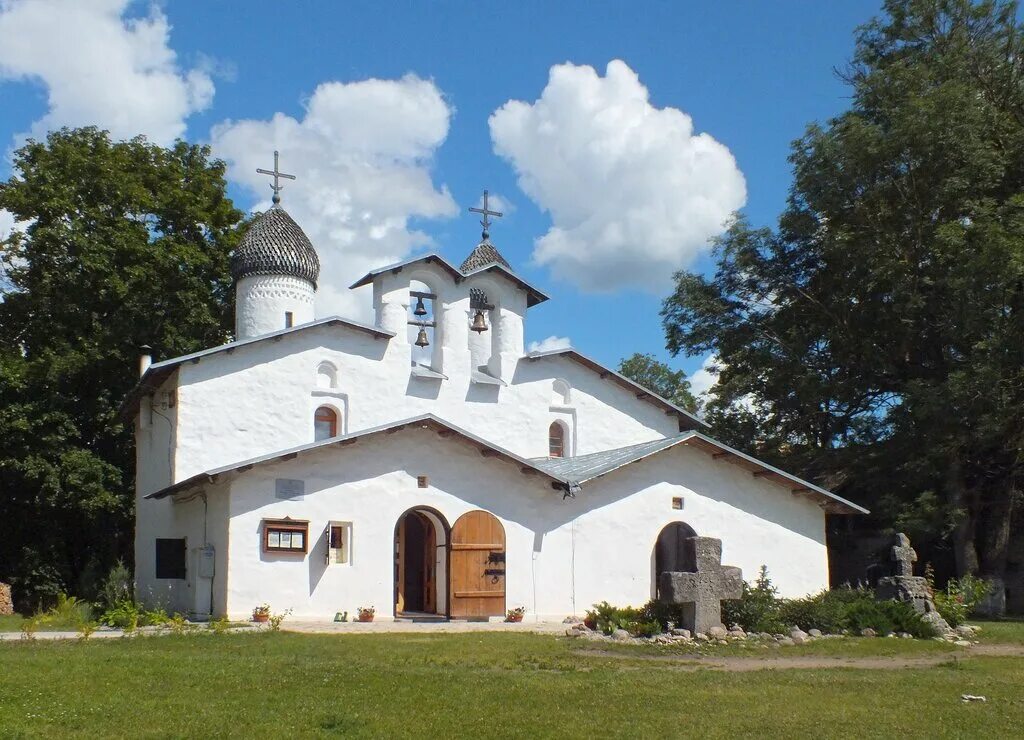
(6, 223)
(549, 344)
(706, 377)
(101, 67)
(633, 192)
(362, 154)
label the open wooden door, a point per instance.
(477, 566)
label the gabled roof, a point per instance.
(583, 468)
(690, 419)
(423, 421)
(533, 295)
(158, 372)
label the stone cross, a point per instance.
(486, 223)
(277, 187)
(701, 591)
(903, 556)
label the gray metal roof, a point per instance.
(275, 245)
(423, 421)
(641, 392)
(534, 296)
(583, 468)
(158, 372)
(483, 254)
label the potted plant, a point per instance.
(515, 615)
(365, 613)
(261, 613)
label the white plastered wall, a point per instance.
(562, 555)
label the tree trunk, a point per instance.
(993, 542)
(959, 497)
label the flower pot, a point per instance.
(260, 617)
(514, 618)
(365, 617)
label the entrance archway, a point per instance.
(669, 553)
(477, 566)
(421, 563)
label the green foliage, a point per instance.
(761, 610)
(659, 378)
(957, 600)
(219, 626)
(123, 615)
(274, 622)
(118, 587)
(68, 611)
(128, 244)
(607, 618)
(86, 630)
(874, 340)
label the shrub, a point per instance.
(961, 595)
(68, 612)
(124, 615)
(118, 588)
(757, 610)
(608, 618)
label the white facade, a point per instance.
(211, 430)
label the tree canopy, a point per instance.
(127, 244)
(659, 378)
(878, 330)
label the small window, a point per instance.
(561, 393)
(556, 440)
(170, 558)
(677, 502)
(285, 535)
(325, 423)
(326, 376)
(289, 319)
(338, 536)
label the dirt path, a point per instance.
(742, 663)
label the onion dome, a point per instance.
(275, 245)
(482, 255)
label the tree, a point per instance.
(879, 328)
(659, 378)
(127, 244)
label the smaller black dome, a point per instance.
(275, 245)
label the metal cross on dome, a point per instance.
(277, 187)
(486, 222)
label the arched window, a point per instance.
(325, 423)
(326, 376)
(556, 440)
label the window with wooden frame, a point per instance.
(556, 440)
(325, 423)
(339, 536)
(285, 535)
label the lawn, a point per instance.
(479, 685)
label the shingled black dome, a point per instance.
(275, 245)
(484, 254)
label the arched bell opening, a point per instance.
(669, 553)
(421, 569)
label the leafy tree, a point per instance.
(879, 329)
(127, 244)
(659, 378)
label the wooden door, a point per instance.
(400, 567)
(477, 566)
(429, 568)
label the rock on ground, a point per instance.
(621, 636)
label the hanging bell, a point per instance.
(479, 322)
(421, 338)
(420, 309)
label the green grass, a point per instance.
(999, 631)
(15, 622)
(483, 684)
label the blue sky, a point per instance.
(751, 75)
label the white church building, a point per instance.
(427, 464)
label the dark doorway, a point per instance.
(419, 540)
(669, 553)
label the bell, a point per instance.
(420, 309)
(421, 338)
(479, 323)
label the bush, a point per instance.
(68, 612)
(757, 610)
(957, 601)
(118, 588)
(124, 615)
(608, 618)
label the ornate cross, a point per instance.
(486, 223)
(701, 592)
(277, 187)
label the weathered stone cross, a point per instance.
(903, 556)
(701, 592)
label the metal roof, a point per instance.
(426, 421)
(533, 295)
(158, 372)
(275, 245)
(583, 468)
(604, 372)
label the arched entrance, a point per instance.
(477, 566)
(669, 553)
(421, 563)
